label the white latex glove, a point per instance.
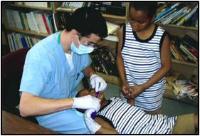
(86, 102)
(92, 125)
(97, 82)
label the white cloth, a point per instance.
(86, 102)
(92, 125)
(97, 82)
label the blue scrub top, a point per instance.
(47, 73)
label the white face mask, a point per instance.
(82, 49)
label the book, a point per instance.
(49, 23)
(30, 23)
(22, 20)
(176, 53)
(189, 54)
(187, 16)
(24, 43)
(54, 23)
(112, 27)
(46, 23)
(173, 15)
(10, 43)
(24, 17)
(166, 11)
(18, 40)
(9, 18)
(40, 23)
(34, 22)
(17, 20)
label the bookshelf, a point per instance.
(20, 16)
(186, 68)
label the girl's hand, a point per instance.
(125, 89)
(136, 90)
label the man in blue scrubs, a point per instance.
(55, 66)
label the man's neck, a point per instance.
(65, 42)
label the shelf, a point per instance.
(27, 32)
(29, 7)
(114, 17)
(189, 28)
(60, 9)
(184, 63)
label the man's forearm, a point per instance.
(32, 105)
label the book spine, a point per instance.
(187, 16)
(10, 43)
(34, 22)
(190, 55)
(40, 23)
(25, 21)
(166, 11)
(46, 24)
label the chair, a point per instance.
(12, 68)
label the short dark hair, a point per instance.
(87, 20)
(148, 6)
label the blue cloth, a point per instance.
(47, 74)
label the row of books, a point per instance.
(179, 13)
(17, 41)
(32, 21)
(185, 49)
(103, 61)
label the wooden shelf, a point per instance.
(29, 7)
(70, 10)
(189, 28)
(114, 17)
(27, 32)
(185, 63)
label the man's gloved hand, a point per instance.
(92, 125)
(86, 102)
(97, 82)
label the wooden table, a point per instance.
(12, 124)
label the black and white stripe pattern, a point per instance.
(141, 61)
(129, 119)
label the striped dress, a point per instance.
(127, 119)
(141, 60)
